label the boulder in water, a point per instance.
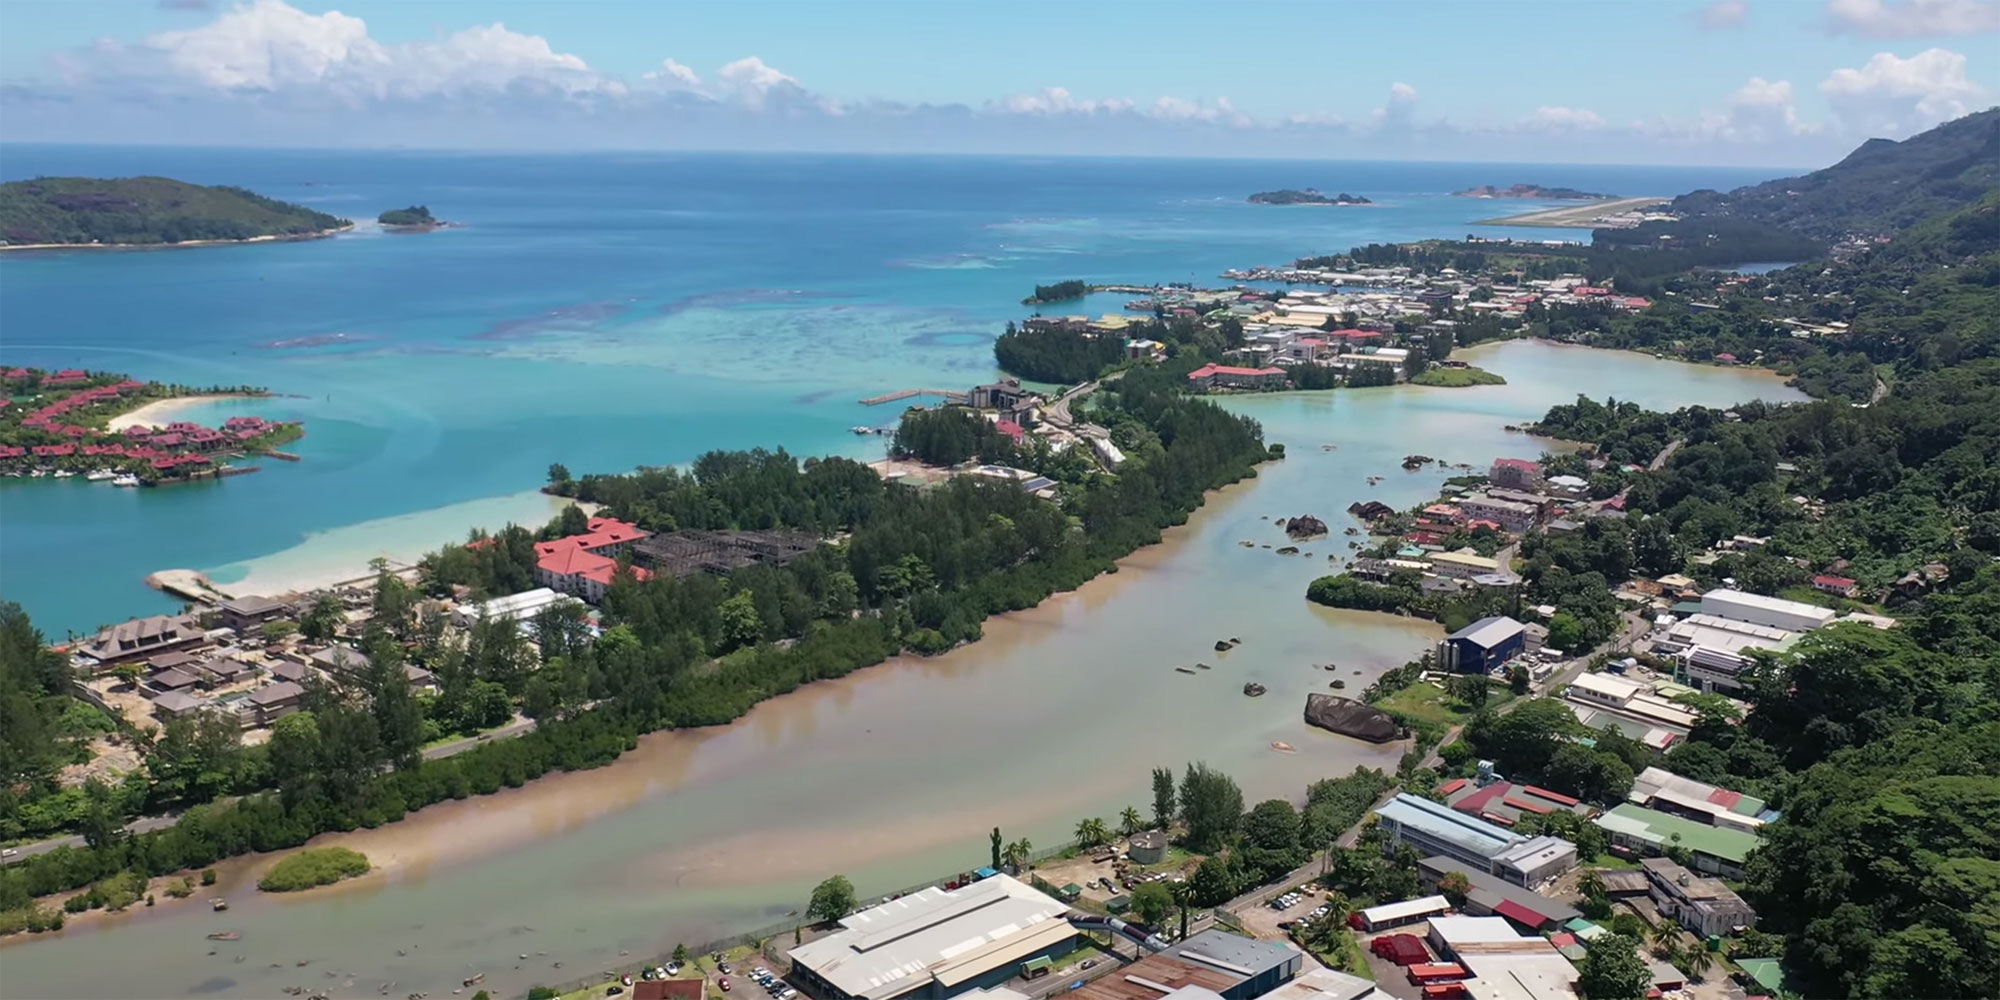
(1350, 718)
(1305, 526)
(1253, 689)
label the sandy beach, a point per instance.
(273, 238)
(161, 412)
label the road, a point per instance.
(1057, 412)
(1660, 460)
(147, 824)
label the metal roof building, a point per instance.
(1324, 984)
(1714, 849)
(1796, 616)
(1263, 965)
(936, 943)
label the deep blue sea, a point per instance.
(605, 311)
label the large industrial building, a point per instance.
(934, 944)
(1792, 616)
(1212, 965)
(1496, 897)
(1435, 829)
(1668, 792)
(1716, 650)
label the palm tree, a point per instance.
(1699, 961)
(1017, 854)
(1091, 831)
(1665, 935)
(1590, 883)
(1130, 822)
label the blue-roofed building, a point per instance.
(1481, 647)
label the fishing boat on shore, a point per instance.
(226, 936)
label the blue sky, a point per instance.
(1778, 82)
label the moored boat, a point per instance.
(100, 475)
(127, 479)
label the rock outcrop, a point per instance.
(1350, 718)
(1253, 689)
(1305, 526)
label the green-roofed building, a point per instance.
(1765, 972)
(1649, 832)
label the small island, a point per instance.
(64, 212)
(416, 218)
(110, 428)
(312, 868)
(1532, 191)
(1309, 196)
(1061, 291)
(1457, 377)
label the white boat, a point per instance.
(100, 475)
(63, 474)
(127, 479)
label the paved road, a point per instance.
(148, 824)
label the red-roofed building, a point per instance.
(572, 569)
(1214, 376)
(54, 450)
(1591, 290)
(1011, 429)
(1839, 586)
(10, 451)
(1725, 358)
(168, 440)
(1505, 803)
(1516, 473)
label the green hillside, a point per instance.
(145, 210)
(1881, 187)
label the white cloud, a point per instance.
(1893, 96)
(1550, 118)
(1760, 111)
(1057, 101)
(674, 76)
(269, 47)
(1398, 112)
(1912, 18)
(1182, 109)
(1723, 14)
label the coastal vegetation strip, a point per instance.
(914, 570)
(314, 867)
(415, 216)
(1061, 291)
(146, 211)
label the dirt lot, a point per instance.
(1262, 921)
(1086, 872)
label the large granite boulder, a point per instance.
(1350, 718)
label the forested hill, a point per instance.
(1881, 187)
(145, 211)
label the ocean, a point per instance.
(605, 311)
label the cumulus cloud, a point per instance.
(1057, 101)
(1760, 111)
(1184, 110)
(674, 76)
(1723, 14)
(1400, 110)
(1894, 96)
(1550, 118)
(269, 47)
(1912, 18)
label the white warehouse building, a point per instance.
(1757, 609)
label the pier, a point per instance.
(950, 396)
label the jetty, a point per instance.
(950, 396)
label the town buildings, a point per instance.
(1510, 515)
(1776, 612)
(1213, 376)
(1487, 895)
(1516, 474)
(1703, 905)
(246, 613)
(1716, 850)
(1481, 647)
(1505, 802)
(1668, 792)
(1632, 706)
(141, 637)
(521, 607)
(1435, 829)
(935, 943)
(1462, 565)
(585, 565)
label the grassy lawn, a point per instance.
(1346, 956)
(1457, 378)
(1423, 701)
(1611, 862)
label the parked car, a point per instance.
(724, 983)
